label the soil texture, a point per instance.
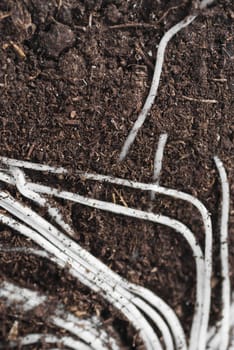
(74, 76)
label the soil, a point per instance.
(74, 75)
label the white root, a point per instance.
(28, 215)
(226, 287)
(174, 224)
(88, 330)
(158, 160)
(156, 78)
(85, 334)
(53, 212)
(203, 325)
(158, 189)
(155, 83)
(155, 317)
(63, 261)
(214, 336)
(121, 296)
(25, 250)
(92, 325)
(13, 294)
(29, 165)
(145, 294)
(165, 310)
(51, 339)
(181, 338)
(87, 274)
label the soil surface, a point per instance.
(74, 76)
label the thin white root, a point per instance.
(13, 294)
(214, 336)
(226, 287)
(88, 330)
(54, 213)
(135, 301)
(51, 339)
(174, 224)
(158, 160)
(87, 274)
(29, 165)
(155, 83)
(25, 250)
(203, 325)
(169, 315)
(161, 190)
(93, 325)
(85, 334)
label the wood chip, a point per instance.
(14, 331)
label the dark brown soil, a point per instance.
(74, 75)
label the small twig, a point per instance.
(90, 20)
(143, 25)
(18, 50)
(60, 2)
(221, 80)
(30, 151)
(134, 25)
(14, 331)
(202, 100)
(229, 54)
(113, 198)
(122, 200)
(166, 12)
(144, 56)
(4, 15)
(72, 122)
